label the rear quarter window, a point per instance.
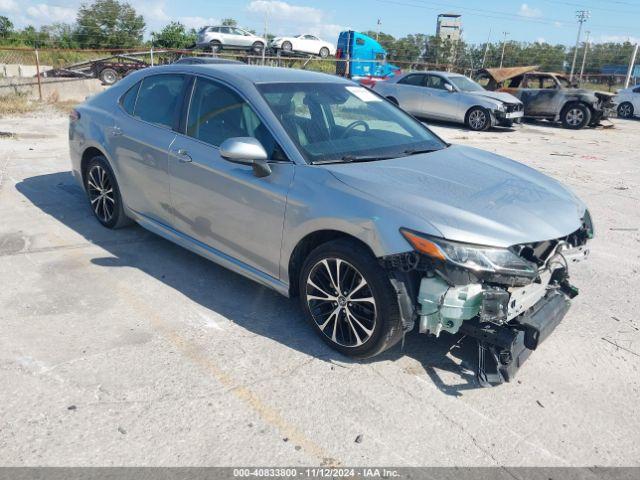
(128, 100)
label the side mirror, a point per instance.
(449, 88)
(246, 151)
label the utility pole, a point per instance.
(504, 44)
(264, 47)
(584, 56)
(486, 49)
(378, 29)
(631, 64)
(581, 16)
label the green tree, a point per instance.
(109, 24)
(174, 35)
(6, 28)
(229, 22)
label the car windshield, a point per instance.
(335, 122)
(465, 84)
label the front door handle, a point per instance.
(116, 132)
(183, 156)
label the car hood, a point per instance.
(470, 195)
(500, 96)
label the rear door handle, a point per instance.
(183, 156)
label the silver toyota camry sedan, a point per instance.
(451, 97)
(319, 188)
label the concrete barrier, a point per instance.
(15, 70)
(53, 89)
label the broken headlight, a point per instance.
(477, 258)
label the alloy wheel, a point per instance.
(477, 120)
(624, 110)
(101, 193)
(341, 302)
(574, 117)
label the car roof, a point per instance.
(255, 74)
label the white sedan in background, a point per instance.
(628, 101)
(303, 44)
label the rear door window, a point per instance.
(415, 79)
(159, 99)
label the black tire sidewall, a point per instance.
(487, 125)
(103, 73)
(119, 218)
(630, 110)
(215, 46)
(388, 328)
(585, 122)
(393, 100)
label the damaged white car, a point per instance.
(319, 188)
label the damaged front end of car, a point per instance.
(508, 299)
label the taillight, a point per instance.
(339, 53)
(74, 115)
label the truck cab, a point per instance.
(362, 57)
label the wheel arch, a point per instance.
(310, 242)
(87, 155)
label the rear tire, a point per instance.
(215, 46)
(108, 76)
(478, 119)
(104, 195)
(625, 110)
(575, 116)
(258, 47)
(363, 318)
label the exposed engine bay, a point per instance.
(509, 311)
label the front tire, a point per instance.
(287, 47)
(104, 195)
(324, 52)
(575, 116)
(348, 299)
(478, 119)
(393, 100)
(625, 110)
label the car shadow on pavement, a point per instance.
(240, 300)
(463, 128)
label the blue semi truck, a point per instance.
(362, 58)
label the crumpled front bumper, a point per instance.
(504, 349)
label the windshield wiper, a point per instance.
(373, 158)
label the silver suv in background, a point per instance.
(227, 37)
(451, 97)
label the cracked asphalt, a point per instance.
(120, 348)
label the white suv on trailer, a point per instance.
(228, 37)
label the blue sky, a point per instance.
(534, 20)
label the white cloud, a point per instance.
(541, 40)
(43, 13)
(558, 24)
(284, 18)
(153, 10)
(527, 11)
(285, 11)
(198, 22)
(9, 6)
(615, 39)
